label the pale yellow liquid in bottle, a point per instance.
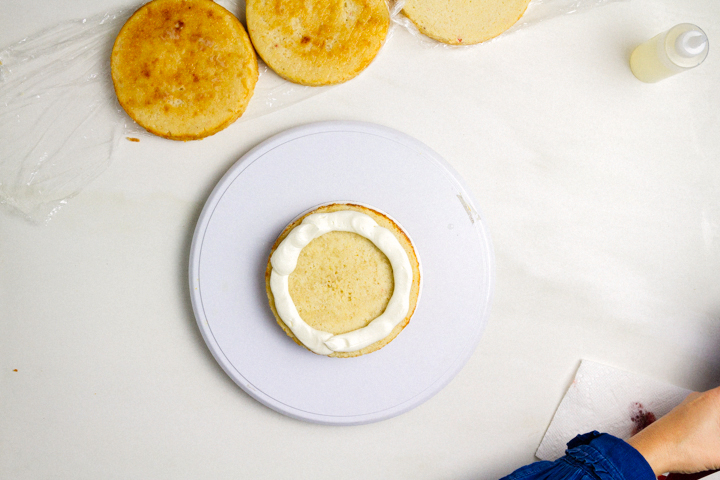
(646, 61)
(657, 58)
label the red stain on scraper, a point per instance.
(641, 418)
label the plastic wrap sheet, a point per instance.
(61, 120)
(60, 124)
(537, 11)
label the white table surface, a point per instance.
(601, 193)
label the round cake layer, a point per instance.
(464, 22)
(317, 42)
(183, 69)
(342, 281)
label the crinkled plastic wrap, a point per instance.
(59, 123)
(60, 117)
(537, 11)
(62, 124)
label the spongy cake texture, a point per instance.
(183, 69)
(463, 22)
(343, 281)
(317, 42)
(328, 284)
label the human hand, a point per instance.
(685, 440)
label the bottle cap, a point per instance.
(691, 43)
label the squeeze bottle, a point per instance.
(681, 48)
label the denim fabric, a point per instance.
(592, 456)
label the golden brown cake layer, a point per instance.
(320, 42)
(183, 69)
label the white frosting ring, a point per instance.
(284, 260)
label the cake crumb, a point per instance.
(133, 139)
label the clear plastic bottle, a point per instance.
(681, 48)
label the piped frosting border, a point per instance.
(284, 260)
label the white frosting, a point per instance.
(284, 260)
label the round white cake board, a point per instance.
(312, 165)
